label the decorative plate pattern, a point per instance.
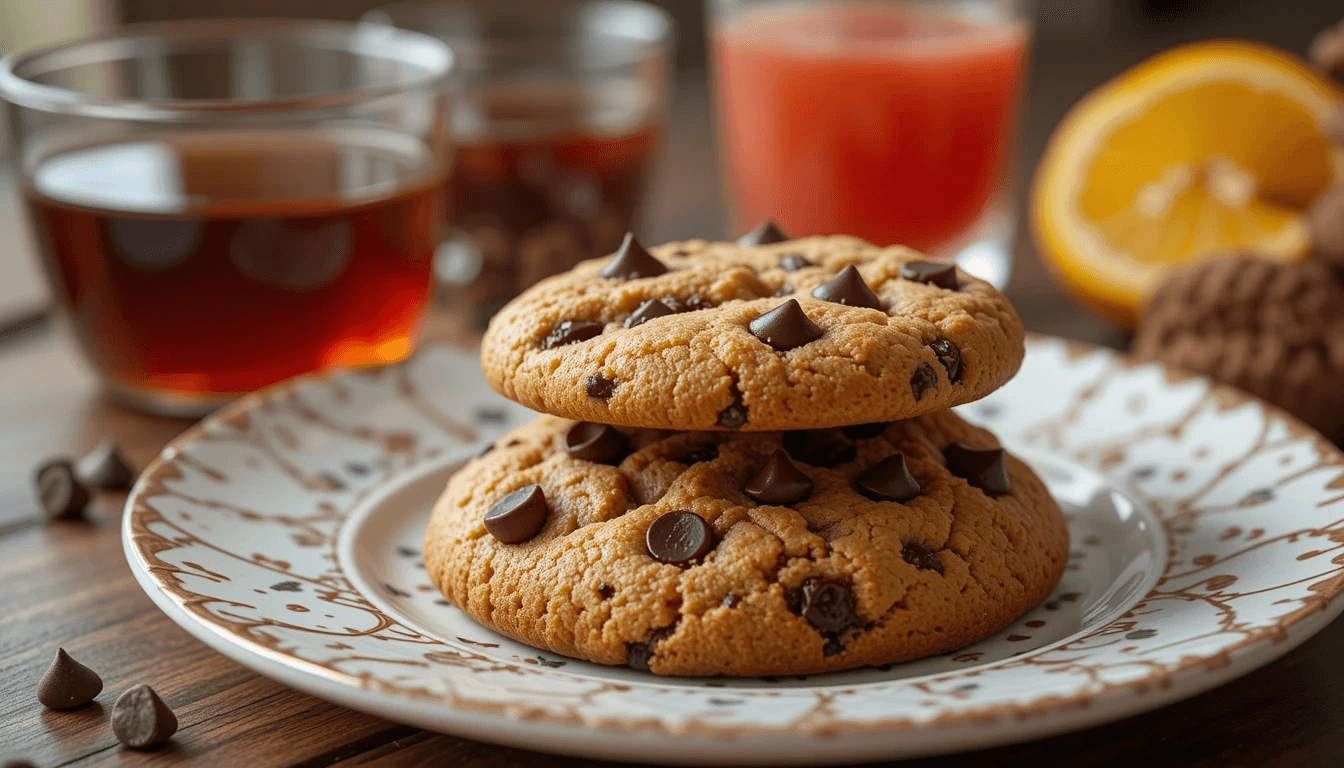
(1207, 532)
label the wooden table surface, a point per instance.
(68, 585)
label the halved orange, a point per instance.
(1203, 149)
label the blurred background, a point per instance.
(1078, 44)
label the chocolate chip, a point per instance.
(62, 495)
(674, 304)
(832, 647)
(932, 273)
(785, 327)
(600, 387)
(106, 469)
(734, 416)
(848, 288)
(827, 605)
(779, 482)
(766, 233)
(695, 303)
(632, 262)
(570, 332)
(679, 538)
(792, 262)
(140, 718)
(648, 311)
(699, 453)
(784, 290)
(983, 468)
(888, 480)
(598, 443)
(921, 557)
(731, 600)
(68, 684)
(922, 380)
(865, 431)
(950, 356)
(518, 516)
(638, 655)
(606, 590)
(820, 447)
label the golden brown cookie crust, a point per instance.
(586, 585)
(684, 371)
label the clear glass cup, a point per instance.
(223, 204)
(890, 120)
(557, 126)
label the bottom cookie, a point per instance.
(743, 554)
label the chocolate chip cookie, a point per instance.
(803, 333)
(749, 553)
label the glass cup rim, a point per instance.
(406, 14)
(436, 59)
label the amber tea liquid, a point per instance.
(215, 263)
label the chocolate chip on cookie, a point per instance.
(848, 288)
(599, 387)
(598, 443)
(923, 380)
(735, 415)
(648, 311)
(921, 557)
(792, 262)
(888, 480)
(679, 538)
(827, 448)
(779, 482)
(983, 468)
(571, 332)
(785, 327)
(827, 605)
(932, 273)
(518, 516)
(950, 356)
(632, 262)
(766, 233)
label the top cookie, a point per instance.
(707, 336)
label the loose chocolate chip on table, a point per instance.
(848, 288)
(679, 538)
(734, 416)
(600, 387)
(106, 469)
(792, 262)
(888, 480)
(865, 431)
(785, 327)
(570, 332)
(68, 684)
(950, 356)
(921, 557)
(820, 447)
(61, 493)
(827, 605)
(598, 443)
(518, 516)
(779, 482)
(632, 262)
(922, 380)
(933, 273)
(647, 311)
(983, 468)
(140, 718)
(767, 233)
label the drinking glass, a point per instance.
(222, 204)
(890, 120)
(560, 114)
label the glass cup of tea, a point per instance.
(890, 120)
(222, 204)
(556, 127)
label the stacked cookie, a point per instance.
(750, 466)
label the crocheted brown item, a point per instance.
(1326, 222)
(1327, 51)
(1275, 330)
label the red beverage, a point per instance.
(214, 263)
(890, 123)
(540, 184)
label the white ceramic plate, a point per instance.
(1206, 539)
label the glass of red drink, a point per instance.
(224, 204)
(890, 120)
(556, 127)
